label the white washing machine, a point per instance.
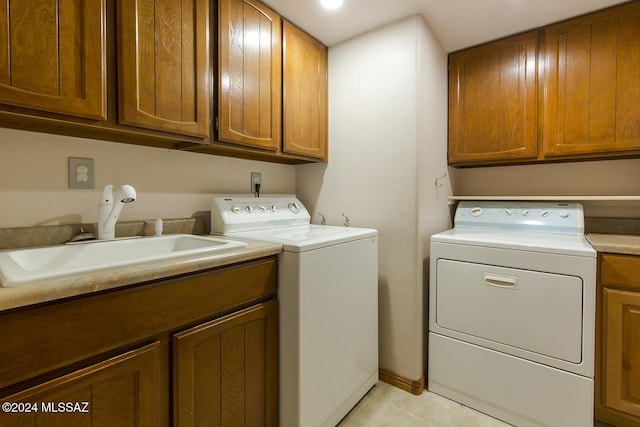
(512, 313)
(328, 305)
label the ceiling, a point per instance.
(457, 23)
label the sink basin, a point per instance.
(23, 266)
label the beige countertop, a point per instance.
(65, 287)
(615, 243)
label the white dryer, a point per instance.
(328, 305)
(511, 313)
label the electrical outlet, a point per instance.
(256, 178)
(81, 173)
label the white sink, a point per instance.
(22, 266)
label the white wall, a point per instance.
(170, 184)
(387, 142)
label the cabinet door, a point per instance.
(52, 56)
(122, 391)
(492, 101)
(163, 65)
(305, 93)
(250, 74)
(621, 351)
(225, 371)
(592, 84)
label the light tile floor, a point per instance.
(388, 406)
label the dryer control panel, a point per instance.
(535, 217)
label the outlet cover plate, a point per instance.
(256, 178)
(81, 173)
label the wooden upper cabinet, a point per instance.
(163, 65)
(52, 56)
(250, 74)
(305, 93)
(493, 102)
(592, 83)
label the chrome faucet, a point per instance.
(108, 211)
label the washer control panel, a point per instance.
(540, 217)
(234, 214)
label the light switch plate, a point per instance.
(81, 173)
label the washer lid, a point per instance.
(518, 240)
(308, 237)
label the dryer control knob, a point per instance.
(235, 209)
(477, 211)
(563, 214)
(544, 213)
(249, 209)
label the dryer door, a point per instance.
(530, 310)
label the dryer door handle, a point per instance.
(499, 281)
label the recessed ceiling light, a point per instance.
(331, 4)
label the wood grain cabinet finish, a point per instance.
(122, 391)
(133, 352)
(53, 56)
(493, 101)
(618, 349)
(592, 84)
(305, 93)
(226, 370)
(250, 74)
(163, 65)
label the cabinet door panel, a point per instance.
(163, 65)
(52, 56)
(226, 370)
(592, 84)
(305, 94)
(492, 101)
(250, 62)
(122, 391)
(621, 352)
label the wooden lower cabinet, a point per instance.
(121, 391)
(622, 351)
(194, 350)
(226, 369)
(618, 353)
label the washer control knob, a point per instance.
(262, 209)
(563, 214)
(273, 208)
(235, 209)
(507, 212)
(544, 214)
(249, 209)
(525, 212)
(294, 207)
(477, 211)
